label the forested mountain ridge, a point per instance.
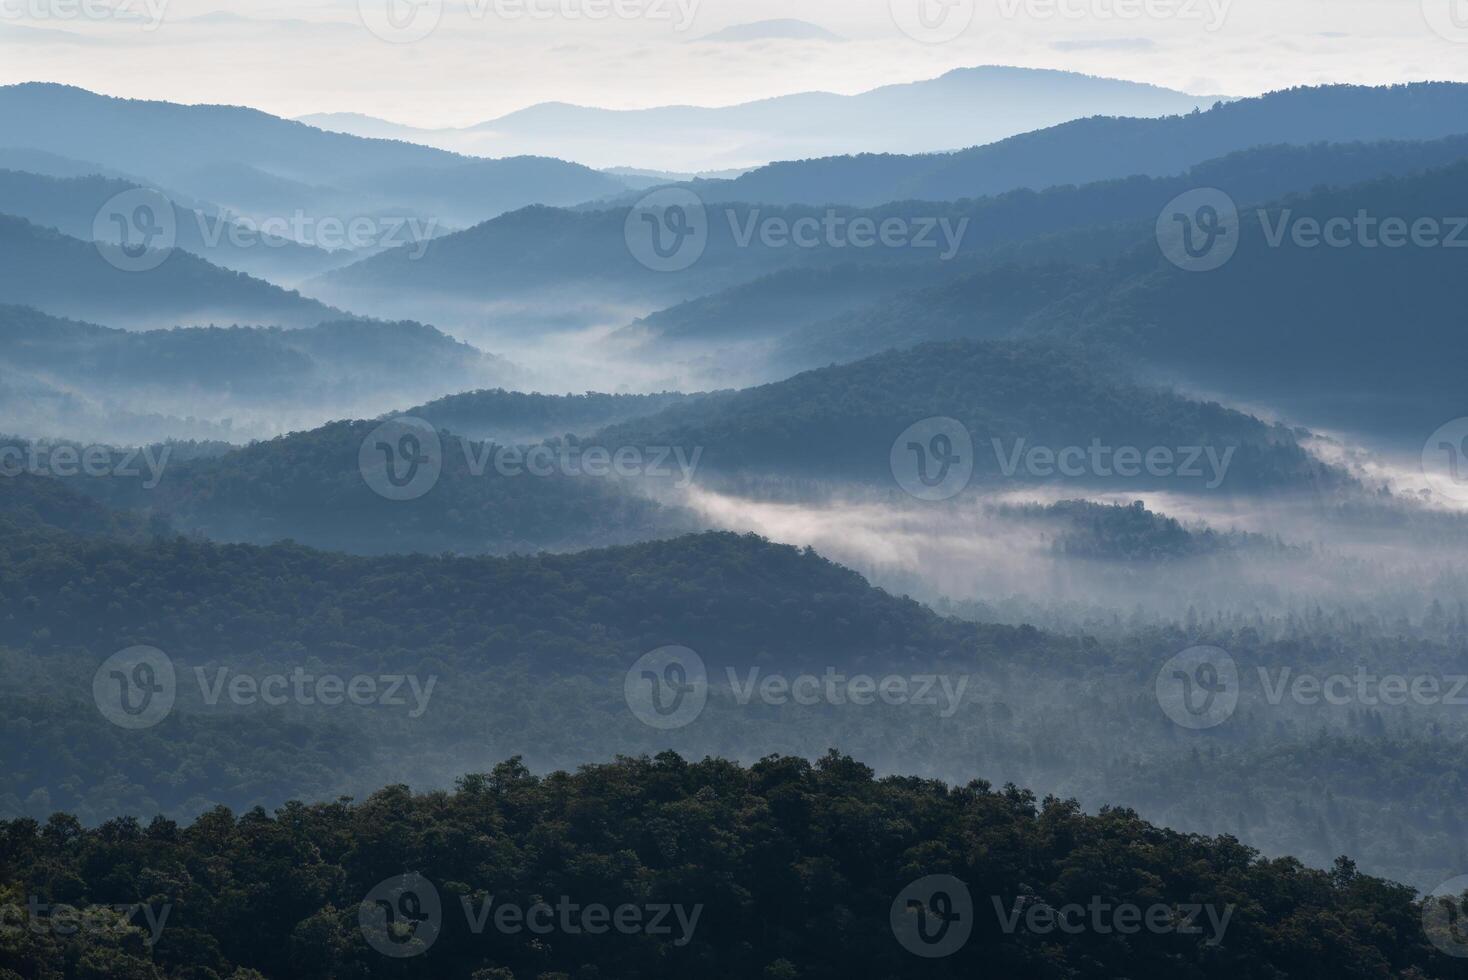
(1101, 148)
(1005, 394)
(811, 858)
(70, 277)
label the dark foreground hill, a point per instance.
(785, 869)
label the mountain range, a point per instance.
(964, 107)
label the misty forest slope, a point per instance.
(1101, 148)
(70, 277)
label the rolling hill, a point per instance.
(70, 277)
(1106, 148)
(260, 164)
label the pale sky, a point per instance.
(488, 57)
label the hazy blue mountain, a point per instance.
(773, 30)
(840, 422)
(964, 107)
(308, 487)
(219, 382)
(1363, 337)
(1104, 148)
(69, 277)
(536, 251)
(71, 206)
(515, 417)
(260, 164)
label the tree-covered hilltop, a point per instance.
(309, 487)
(68, 276)
(526, 417)
(840, 422)
(784, 869)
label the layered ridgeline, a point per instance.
(843, 423)
(1332, 331)
(962, 108)
(1102, 148)
(67, 276)
(67, 378)
(825, 864)
(548, 643)
(751, 280)
(72, 205)
(1018, 408)
(261, 165)
(529, 417)
(329, 487)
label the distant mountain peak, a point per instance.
(773, 30)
